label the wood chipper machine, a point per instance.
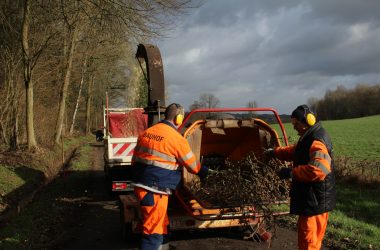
(214, 135)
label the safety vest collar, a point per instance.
(169, 124)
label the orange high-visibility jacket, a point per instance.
(159, 154)
(315, 170)
(313, 186)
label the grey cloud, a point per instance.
(346, 11)
(278, 53)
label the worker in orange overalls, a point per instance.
(312, 193)
(159, 155)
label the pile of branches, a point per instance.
(249, 182)
(245, 182)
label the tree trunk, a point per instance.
(64, 90)
(32, 143)
(88, 107)
(10, 99)
(78, 98)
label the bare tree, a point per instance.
(343, 103)
(31, 54)
(251, 104)
(195, 105)
(88, 105)
(28, 66)
(107, 30)
(10, 93)
(83, 73)
(205, 101)
(10, 73)
(65, 85)
(209, 101)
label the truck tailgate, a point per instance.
(120, 150)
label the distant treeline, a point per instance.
(343, 103)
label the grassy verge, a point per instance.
(43, 223)
(13, 164)
(355, 223)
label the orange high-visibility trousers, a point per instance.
(311, 230)
(153, 207)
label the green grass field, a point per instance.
(356, 138)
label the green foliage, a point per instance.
(142, 93)
(75, 141)
(82, 159)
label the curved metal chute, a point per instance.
(155, 73)
(154, 76)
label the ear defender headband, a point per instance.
(309, 116)
(178, 119)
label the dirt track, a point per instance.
(98, 227)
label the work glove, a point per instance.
(203, 172)
(212, 172)
(285, 173)
(269, 153)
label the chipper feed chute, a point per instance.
(214, 139)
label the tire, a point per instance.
(126, 228)
(126, 232)
(108, 185)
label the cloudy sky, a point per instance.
(278, 53)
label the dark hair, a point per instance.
(172, 110)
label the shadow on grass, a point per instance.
(70, 212)
(32, 179)
(361, 203)
(75, 212)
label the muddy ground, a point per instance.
(98, 226)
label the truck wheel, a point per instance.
(126, 231)
(125, 227)
(108, 185)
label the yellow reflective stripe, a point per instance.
(186, 157)
(193, 166)
(320, 165)
(322, 155)
(155, 163)
(155, 153)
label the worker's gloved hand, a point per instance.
(285, 173)
(269, 152)
(203, 172)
